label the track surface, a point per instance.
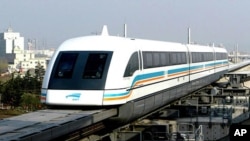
(49, 124)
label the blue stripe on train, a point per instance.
(162, 73)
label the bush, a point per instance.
(30, 102)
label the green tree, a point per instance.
(39, 72)
(29, 83)
(12, 92)
(23, 91)
(39, 75)
(32, 83)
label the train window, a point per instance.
(202, 56)
(156, 59)
(132, 66)
(66, 65)
(173, 58)
(95, 66)
(184, 58)
(193, 57)
(179, 61)
(210, 56)
(164, 59)
(148, 60)
(218, 56)
(205, 56)
(197, 57)
(221, 56)
(178, 58)
(160, 59)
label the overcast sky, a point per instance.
(51, 22)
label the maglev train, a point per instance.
(135, 75)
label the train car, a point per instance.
(135, 75)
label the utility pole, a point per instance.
(189, 35)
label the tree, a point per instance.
(12, 92)
(30, 83)
(39, 72)
(23, 91)
(39, 75)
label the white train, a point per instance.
(138, 75)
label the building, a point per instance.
(10, 40)
(24, 60)
(12, 48)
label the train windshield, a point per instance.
(66, 64)
(95, 70)
(80, 70)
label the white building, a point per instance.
(12, 48)
(26, 59)
(10, 40)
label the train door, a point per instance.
(132, 75)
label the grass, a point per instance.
(10, 113)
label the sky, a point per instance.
(50, 22)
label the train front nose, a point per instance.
(74, 97)
(78, 78)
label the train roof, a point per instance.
(99, 42)
(105, 42)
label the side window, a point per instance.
(221, 56)
(173, 58)
(164, 59)
(132, 66)
(147, 59)
(178, 55)
(193, 57)
(178, 58)
(66, 65)
(217, 56)
(209, 56)
(161, 59)
(95, 66)
(196, 57)
(202, 56)
(156, 59)
(205, 56)
(183, 58)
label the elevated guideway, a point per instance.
(46, 125)
(233, 67)
(202, 116)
